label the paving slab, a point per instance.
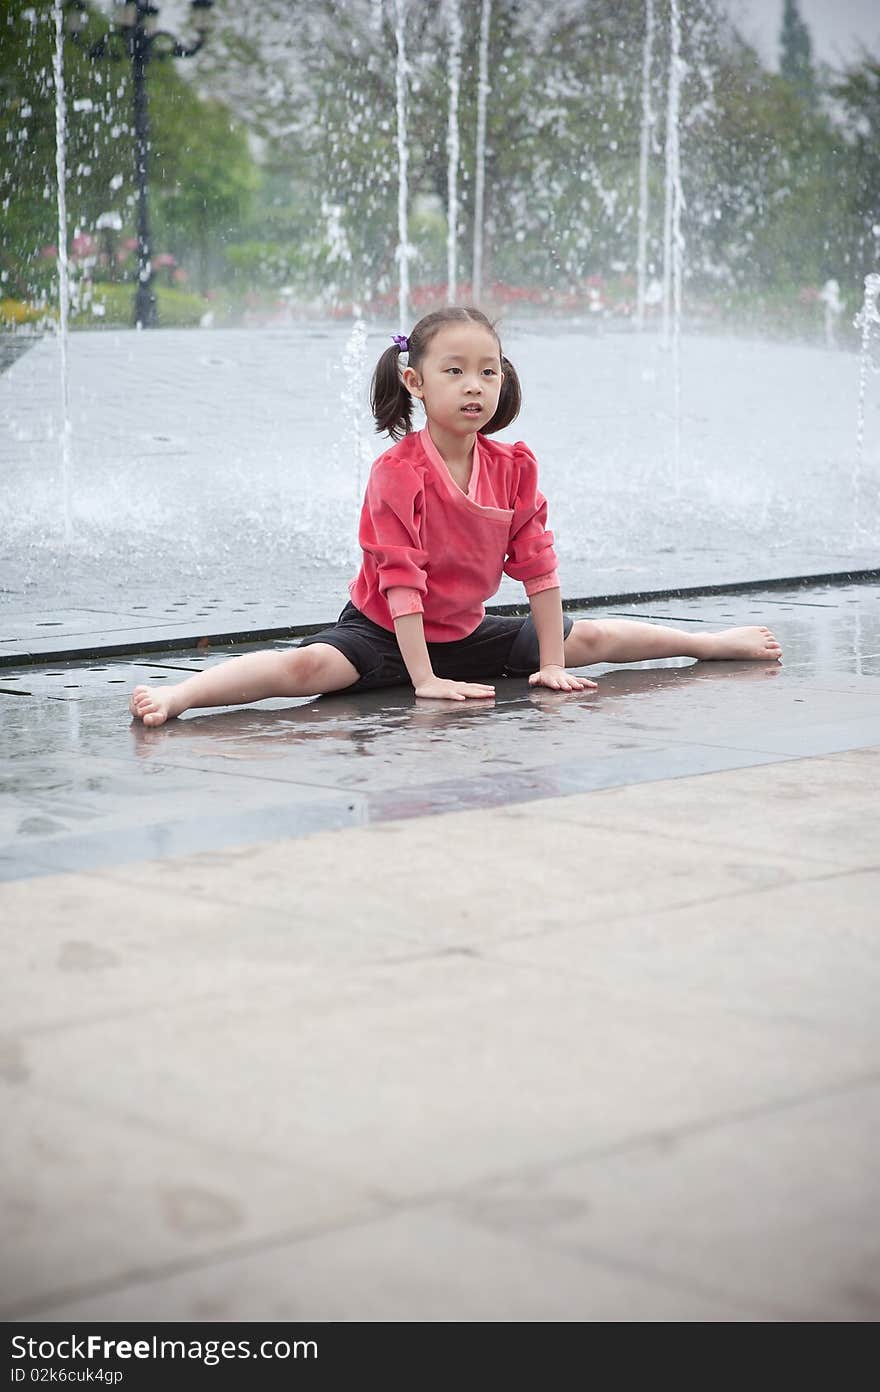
(767, 1210)
(762, 955)
(102, 955)
(149, 1203)
(791, 808)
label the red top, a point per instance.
(431, 549)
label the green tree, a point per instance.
(202, 175)
(98, 180)
(858, 92)
(769, 173)
(796, 53)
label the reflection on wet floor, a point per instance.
(84, 787)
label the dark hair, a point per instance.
(391, 402)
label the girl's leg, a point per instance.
(309, 671)
(626, 640)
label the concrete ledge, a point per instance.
(182, 642)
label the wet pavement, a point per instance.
(552, 1007)
(85, 787)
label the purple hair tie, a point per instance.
(402, 342)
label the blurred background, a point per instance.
(672, 206)
(274, 160)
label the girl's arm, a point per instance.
(410, 631)
(546, 607)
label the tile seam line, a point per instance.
(731, 848)
(494, 951)
(212, 771)
(411, 951)
(660, 1136)
(182, 643)
(182, 1266)
(382, 1211)
(666, 1277)
(117, 876)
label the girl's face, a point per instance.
(459, 378)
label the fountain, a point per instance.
(673, 245)
(403, 247)
(63, 268)
(453, 150)
(354, 364)
(483, 90)
(866, 320)
(833, 308)
(246, 445)
(644, 150)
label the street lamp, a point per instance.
(135, 35)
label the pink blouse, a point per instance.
(431, 549)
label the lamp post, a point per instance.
(135, 35)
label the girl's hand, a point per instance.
(559, 680)
(443, 690)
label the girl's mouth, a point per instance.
(472, 409)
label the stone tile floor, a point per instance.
(560, 1007)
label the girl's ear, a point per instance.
(412, 381)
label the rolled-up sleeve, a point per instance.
(550, 581)
(530, 554)
(390, 534)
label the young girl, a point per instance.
(447, 510)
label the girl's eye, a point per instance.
(490, 372)
(453, 369)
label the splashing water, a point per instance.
(647, 127)
(453, 147)
(868, 316)
(354, 361)
(403, 248)
(830, 297)
(673, 244)
(483, 90)
(866, 319)
(63, 265)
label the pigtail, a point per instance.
(390, 401)
(509, 401)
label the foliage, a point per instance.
(858, 92)
(111, 305)
(274, 155)
(16, 313)
(796, 52)
(202, 175)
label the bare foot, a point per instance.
(742, 645)
(151, 706)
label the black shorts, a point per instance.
(500, 647)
